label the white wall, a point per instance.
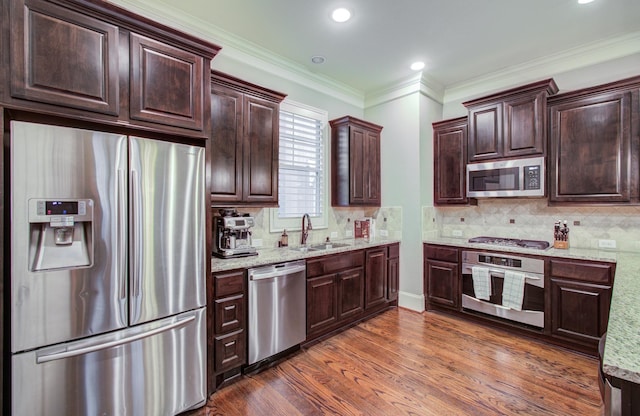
(401, 184)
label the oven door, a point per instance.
(532, 312)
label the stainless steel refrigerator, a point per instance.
(107, 273)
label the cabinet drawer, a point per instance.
(229, 314)
(229, 283)
(230, 351)
(586, 272)
(394, 251)
(441, 253)
(335, 263)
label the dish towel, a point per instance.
(513, 290)
(481, 282)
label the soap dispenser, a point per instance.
(284, 239)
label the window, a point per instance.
(302, 182)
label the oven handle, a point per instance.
(467, 268)
(500, 272)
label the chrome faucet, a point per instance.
(305, 230)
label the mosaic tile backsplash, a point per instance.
(340, 221)
(534, 219)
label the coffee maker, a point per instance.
(232, 235)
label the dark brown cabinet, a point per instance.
(227, 325)
(355, 162)
(244, 142)
(375, 277)
(441, 277)
(95, 61)
(393, 272)
(335, 291)
(509, 124)
(450, 162)
(594, 145)
(580, 300)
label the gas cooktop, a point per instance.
(511, 242)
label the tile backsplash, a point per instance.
(534, 219)
(388, 219)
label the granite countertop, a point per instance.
(283, 254)
(622, 348)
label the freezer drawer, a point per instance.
(157, 368)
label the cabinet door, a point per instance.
(229, 314)
(64, 58)
(261, 151)
(450, 153)
(226, 144)
(485, 132)
(166, 84)
(350, 293)
(590, 150)
(372, 168)
(322, 307)
(357, 166)
(580, 311)
(375, 277)
(393, 272)
(524, 125)
(230, 351)
(442, 283)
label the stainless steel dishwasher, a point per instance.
(277, 309)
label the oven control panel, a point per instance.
(500, 261)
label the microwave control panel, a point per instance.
(531, 177)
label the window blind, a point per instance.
(301, 172)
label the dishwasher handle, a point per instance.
(276, 270)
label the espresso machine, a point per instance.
(232, 234)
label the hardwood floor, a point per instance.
(406, 363)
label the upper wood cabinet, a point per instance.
(244, 142)
(355, 162)
(91, 60)
(594, 144)
(509, 124)
(450, 162)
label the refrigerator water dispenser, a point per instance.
(61, 234)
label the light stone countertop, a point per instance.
(622, 348)
(283, 254)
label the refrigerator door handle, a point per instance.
(121, 227)
(110, 344)
(136, 224)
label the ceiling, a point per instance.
(459, 40)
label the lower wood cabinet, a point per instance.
(441, 277)
(346, 287)
(580, 300)
(393, 272)
(226, 325)
(376, 277)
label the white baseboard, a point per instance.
(411, 301)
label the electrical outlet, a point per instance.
(456, 233)
(348, 233)
(384, 233)
(606, 243)
(334, 234)
(257, 242)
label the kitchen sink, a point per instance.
(319, 247)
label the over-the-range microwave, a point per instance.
(506, 178)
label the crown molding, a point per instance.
(240, 50)
(548, 66)
(421, 83)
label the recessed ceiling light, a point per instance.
(341, 15)
(417, 66)
(317, 59)
(584, 1)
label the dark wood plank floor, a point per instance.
(406, 363)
